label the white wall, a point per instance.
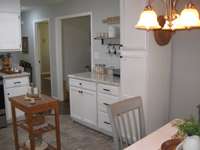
(100, 9)
(76, 45)
(185, 91)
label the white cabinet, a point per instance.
(89, 107)
(83, 105)
(11, 92)
(147, 74)
(104, 100)
(12, 6)
(132, 38)
(10, 31)
(89, 102)
(76, 103)
(133, 73)
(107, 94)
(20, 86)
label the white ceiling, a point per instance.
(28, 4)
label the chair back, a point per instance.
(127, 118)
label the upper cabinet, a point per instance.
(10, 26)
(12, 6)
(132, 38)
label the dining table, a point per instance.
(154, 140)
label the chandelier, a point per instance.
(187, 19)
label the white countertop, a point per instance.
(91, 76)
(6, 76)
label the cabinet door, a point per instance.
(10, 6)
(132, 38)
(133, 74)
(11, 92)
(76, 103)
(10, 31)
(90, 107)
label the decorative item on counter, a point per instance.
(6, 63)
(33, 92)
(100, 69)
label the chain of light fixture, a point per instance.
(187, 19)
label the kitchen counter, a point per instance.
(90, 76)
(6, 76)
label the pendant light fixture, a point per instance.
(190, 16)
(148, 19)
(188, 19)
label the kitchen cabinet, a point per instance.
(104, 100)
(11, 6)
(10, 26)
(83, 105)
(147, 74)
(83, 101)
(14, 87)
(10, 29)
(132, 38)
(89, 101)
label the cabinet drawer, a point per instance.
(108, 89)
(104, 122)
(15, 82)
(105, 100)
(83, 84)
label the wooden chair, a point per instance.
(127, 118)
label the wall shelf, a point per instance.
(103, 39)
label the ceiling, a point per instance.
(28, 4)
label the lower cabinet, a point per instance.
(89, 103)
(83, 105)
(104, 100)
(14, 87)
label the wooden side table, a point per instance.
(45, 104)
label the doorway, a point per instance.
(76, 50)
(43, 54)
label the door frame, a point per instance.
(59, 59)
(36, 53)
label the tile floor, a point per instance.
(73, 135)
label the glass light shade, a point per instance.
(148, 20)
(176, 24)
(190, 16)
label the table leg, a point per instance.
(14, 121)
(30, 128)
(57, 123)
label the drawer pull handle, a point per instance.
(107, 123)
(17, 82)
(80, 83)
(81, 92)
(106, 104)
(8, 93)
(107, 90)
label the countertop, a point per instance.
(91, 76)
(6, 76)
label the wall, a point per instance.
(44, 47)
(185, 95)
(76, 45)
(100, 9)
